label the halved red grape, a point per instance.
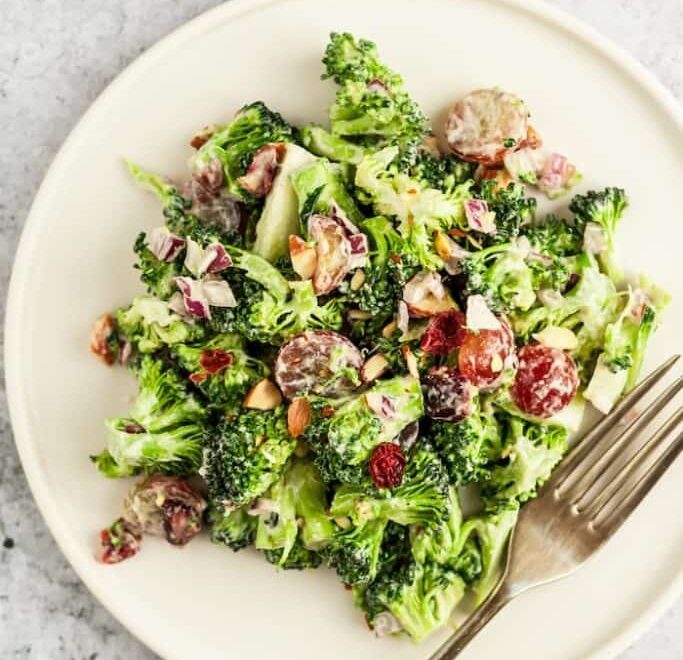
(545, 382)
(484, 354)
(448, 395)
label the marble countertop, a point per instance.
(55, 58)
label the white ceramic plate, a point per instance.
(588, 99)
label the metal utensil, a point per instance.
(585, 501)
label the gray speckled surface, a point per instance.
(55, 57)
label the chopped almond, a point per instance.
(358, 315)
(389, 329)
(373, 368)
(430, 305)
(357, 280)
(299, 416)
(303, 256)
(411, 361)
(263, 396)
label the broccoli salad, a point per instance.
(361, 347)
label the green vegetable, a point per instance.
(164, 429)
(530, 452)
(371, 105)
(468, 447)
(605, 209)
(150, 325)
(280, 215)
(246, 455)
(227, 388)
(235, 144)
(234, 528)
(155, 274)
(513, 210)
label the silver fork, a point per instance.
(584, 502)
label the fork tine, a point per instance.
(614, 484)
(580, 490)
(586, 445)
(624, 508)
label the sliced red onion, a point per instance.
(479, 217)
(594, 239)
(421, 285)
(479, 316)
(359, 250)
(259, 177)
(215, 259)
(339, 216)
(218, 293)
(381, 405)
(164, 245)
(377, 86)
(557, 175)
(200, 261)
(176, 304)
(125, 351)
(209, 178)
(194, 297)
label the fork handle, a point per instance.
(474, 623)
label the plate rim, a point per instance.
(18, 411)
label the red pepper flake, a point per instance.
(215, 360)
(327, 411)
(395, 258)
(387, 465)
(199, 377)
(458, 233)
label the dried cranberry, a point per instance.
(215, 360)
(118, 542)
(442, 335)
(483, 355)
(546, 380)
(448, 395)
(387, 465)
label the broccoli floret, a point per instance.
(163, 431)
(586, 309)
(235, 144)
(442, 172)
(234, 528)
(491, 532)
(226, 387)
(155, 274)
(420, 499)
(605, 209)
(149, 325)
(320, 185)
(420, 211)
(420, 596)
(618, 366)
(272, 309)
(371, 105)
(390, 266)
(177, 209)
(298, 558)
(246, 455)
(354, 552)
(531, 451)
(344, 439)
(468, 447)
(513, 210)
(333, 147)
(501, 274)
(554, 237)
(292, 537)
